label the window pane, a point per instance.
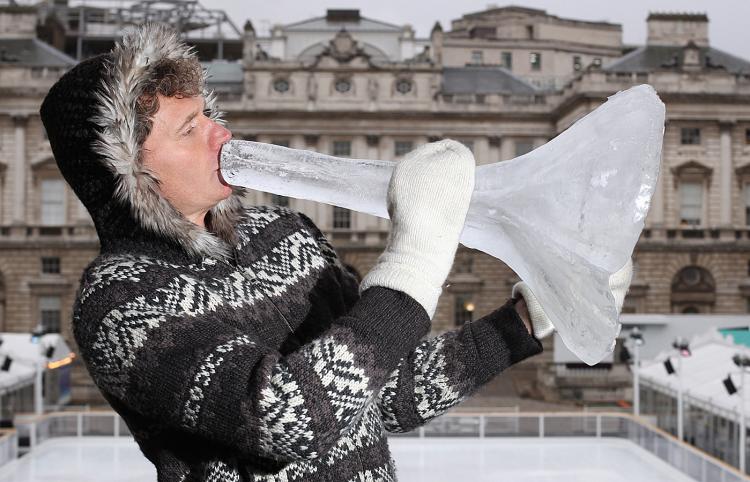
(51, 265)
(690, 136)
(691, 202)
(278, 200)
(477, 57)
(342, 218)
(523, 147)
(342, 148)
(577, 65)
(53, 202)
(49, 313)
(535, 59)
(506, 59)
(403, 147)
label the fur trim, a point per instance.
(122, 84)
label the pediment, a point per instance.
(692, 168)
(343, 49)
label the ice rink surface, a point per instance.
(560, 459)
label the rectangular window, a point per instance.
(49, 313)
(278, 200)
(53, 202)
(463, 309)
(342, 148)
(402, 148)
(577, 64)
(690, 136)
(535, 59)
(342, 218)
(506, 60)
(477, 57)
(523, 147)
(747, 136)
(691, 203)
(50, 265)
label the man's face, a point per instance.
(182, 151)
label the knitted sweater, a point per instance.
(271, 367)
(241, 351)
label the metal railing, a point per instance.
(680, 455)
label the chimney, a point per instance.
(677, 29)
(436, 39)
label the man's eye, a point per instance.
(189, 129)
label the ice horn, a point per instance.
(564, 217)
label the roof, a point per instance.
(32, 52)
(322, 24)
(659, 57)
(25, 352)
(710, 363)
(483, 80)
(534, 12)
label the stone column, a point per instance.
(725, 186)
(19, 170)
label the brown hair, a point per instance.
(171, 78)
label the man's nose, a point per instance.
(220, 134)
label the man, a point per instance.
(232, 340)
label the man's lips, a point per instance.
(221, 178)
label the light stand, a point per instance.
(637, 337)
(683, 351)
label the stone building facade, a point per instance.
(362, 88)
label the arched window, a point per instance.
(693, 290)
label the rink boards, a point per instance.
(521, 459)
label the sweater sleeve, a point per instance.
(443, 371)
(169, 356)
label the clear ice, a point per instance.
(564, 217)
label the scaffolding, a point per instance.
(90, 27)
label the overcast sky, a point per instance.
(729, 27)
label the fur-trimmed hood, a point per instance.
(90, 117)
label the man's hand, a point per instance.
(428, 198)
(523, 313)
(541, 325)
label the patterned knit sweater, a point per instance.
(272, 367)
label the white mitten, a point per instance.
(428, 198)
(619, 283)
